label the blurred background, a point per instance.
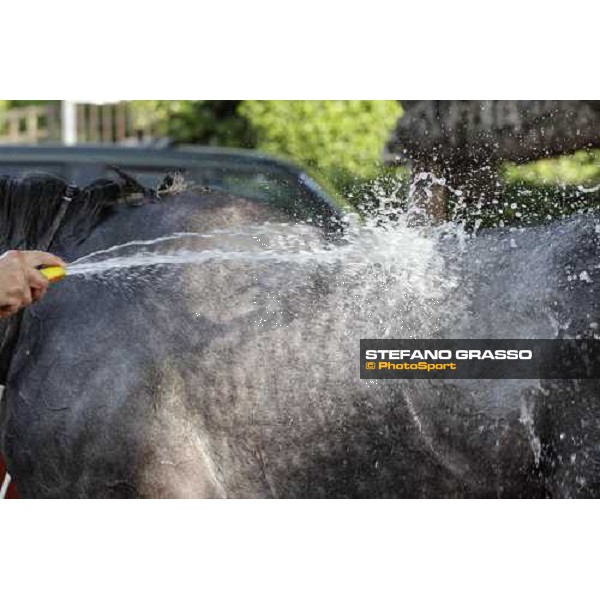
(361, 150)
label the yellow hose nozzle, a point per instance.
(53, 273)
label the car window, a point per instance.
(279, 188)
(263, 186)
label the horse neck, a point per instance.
(19, 236)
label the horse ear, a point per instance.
(166, 184)
(172, 183)
(131, 186)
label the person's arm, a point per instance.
(21, 283)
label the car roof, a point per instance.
(184, 155)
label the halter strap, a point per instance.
(70, 194)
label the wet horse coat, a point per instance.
(238, 377)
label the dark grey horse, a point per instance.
(235, 373)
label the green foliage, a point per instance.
(583, 167)
(341, 139)
(544, 190)
(210, 122)
(526, 204)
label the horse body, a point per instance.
(239, 377)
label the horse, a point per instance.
(222, 361)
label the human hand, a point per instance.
(21, 283)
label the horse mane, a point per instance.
(30, 206)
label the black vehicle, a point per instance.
(244, 173)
